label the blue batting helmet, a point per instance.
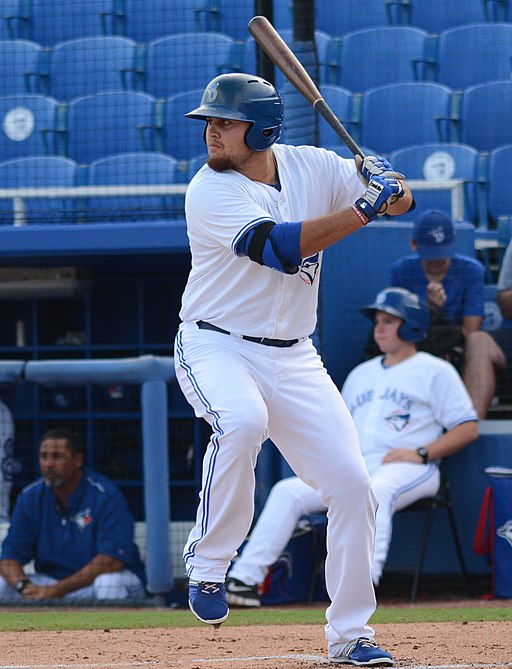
(405, 305)
(244, 97)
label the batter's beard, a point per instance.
(220, 163)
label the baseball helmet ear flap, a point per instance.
(406, 305)
(244, 97)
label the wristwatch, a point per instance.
(423, 453)
(21, 585)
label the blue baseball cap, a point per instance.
(434, 235)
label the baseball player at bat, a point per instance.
(410, 409)
(259, 214)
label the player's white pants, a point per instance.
(249, 392)
(396, 485)
(114, 585)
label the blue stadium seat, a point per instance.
(146, 21)
(89, 65)
(226, 16)
(499, 193)
(398, 54)
(19, 66)
(188, 60)
(475, 53)
(53, 21)
(485, 116)
(182, 137)
(129, 169)
(434, 16)
(328, 53)
(108, 123)
(12, 23)
(403, 114)
(29, 125)
(434, 162)
(38, 172)
(195, 164)
(339, 100)
(338, 17)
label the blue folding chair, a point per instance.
(89, 65)
(485, 116)
(129, 169)
(13, 20)
(499, 194)
(434, 16)
(38, 172)
(108, 123)
(399, 54)
(403, 114)
(188, 60)
(53, 21)
(195, 164)
(182, 137)
(20, 66)
(146, 21)
(435, 162)
(473, 54)
(29, 123)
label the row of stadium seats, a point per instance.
(487, 196)
(458, 57)
(385, 118)
(50, 21)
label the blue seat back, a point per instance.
(89, 65)
(108, 123)
(29, 124)
(20, 66)
(328, 57)
(337, 18)
(182, 137)
(187, 60)
(434, 162)
(499, 193)
(434, 16)
(53, 21)
(11, 20)
(399, 54)
(474, 53)
(38, 172)
(132, 168)
(339, 100)
(195, 164)
(399, 115)
(145, 21)
(486, 115)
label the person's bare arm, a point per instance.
(504, 300)
(12, 571)
(450, 442)
(471, 324)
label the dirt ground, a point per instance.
(446, 645)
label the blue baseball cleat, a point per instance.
(208, 602)
(364, 652)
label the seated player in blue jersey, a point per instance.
(452, 285)
(76, 526)
(410, 408)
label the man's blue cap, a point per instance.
(434, 235)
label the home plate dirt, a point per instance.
(459, 645)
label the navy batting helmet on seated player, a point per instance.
(244, 97)
(405, 305)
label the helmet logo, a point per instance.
(210, 93)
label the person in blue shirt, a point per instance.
(452, 285)
(76, 526)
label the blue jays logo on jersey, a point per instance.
(309, 269)
(398, 421)
(210, 93)
(505, 531)
(82, 519)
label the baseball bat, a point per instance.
(283, 57)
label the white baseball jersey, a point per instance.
(405, 405)
(235, 293)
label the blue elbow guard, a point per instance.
(275, 246)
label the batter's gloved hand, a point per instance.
(380, 193)
(374, 166)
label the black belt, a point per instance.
(281, 343)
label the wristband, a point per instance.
(360, 215)
(366, 209)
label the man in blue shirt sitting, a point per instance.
(452, 285)
(76, 526)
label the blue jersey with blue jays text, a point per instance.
(62, 541)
